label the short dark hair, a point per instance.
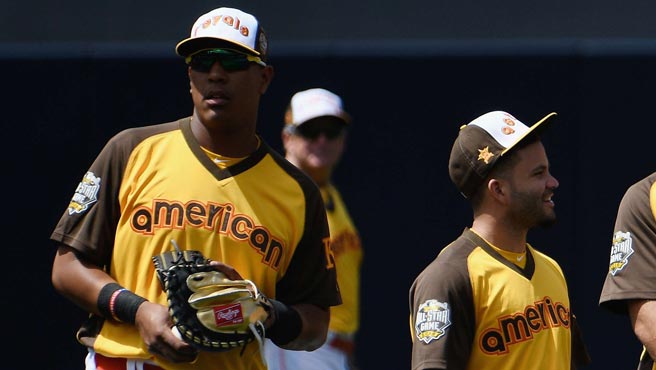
(504, 164)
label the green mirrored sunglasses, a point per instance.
(229, 60)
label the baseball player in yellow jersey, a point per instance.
(629, 285)
(490, 300)
(314, 137)
(211, 184)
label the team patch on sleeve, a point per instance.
(86, 194)
(620, 251)
(432, 320)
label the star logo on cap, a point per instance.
(485, 155)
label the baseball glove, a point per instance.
(210, 311)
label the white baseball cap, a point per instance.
(482, 142)
(225, 28)
(313, 103)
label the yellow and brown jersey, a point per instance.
(346, 246)
(154, 184)
(631, 273)
(471, 308)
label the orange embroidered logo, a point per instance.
(485, 155)
(508, 130)
(228, 21)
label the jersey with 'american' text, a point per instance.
(472, 309)
(154, 184)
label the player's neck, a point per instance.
(500, 235)
(235, 144)
(321, 176)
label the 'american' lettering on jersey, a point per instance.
(520, 327)
(211, 216)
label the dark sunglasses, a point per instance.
(312, 131)
(228, 59)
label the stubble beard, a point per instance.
(532, 212)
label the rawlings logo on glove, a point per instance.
(210, 311)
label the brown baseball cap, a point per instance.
(481, 143)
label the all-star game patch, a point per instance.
(432, 320)
(85, 195)
(620, 251)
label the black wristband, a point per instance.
(126, 305)
(104, 297)
(287, 326)
(118, 303)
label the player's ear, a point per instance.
(191, 83)
(286, 138)
(496, 189)
(266, 74)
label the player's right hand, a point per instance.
(154, 324)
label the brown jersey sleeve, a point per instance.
(442, 311)
(633, 251)
(89, 223)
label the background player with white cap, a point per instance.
(314, 137)
(210, 183)
(490, 300)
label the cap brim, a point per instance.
(190, 46)
(345, 118)
(536, 128)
